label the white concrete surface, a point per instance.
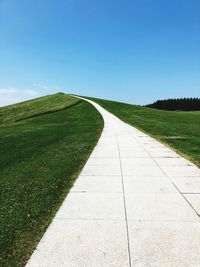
(135, 203)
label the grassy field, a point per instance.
(40, 159)
(179, 130)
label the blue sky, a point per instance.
(135, 51)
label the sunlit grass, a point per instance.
(40, 159)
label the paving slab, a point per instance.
(181, 171)
(134, 154)
(135, 203)
(103, 161)
(164, 244)
(194, 200)
(102, 184)
(92, 206)
(108, 148)
(148, 185)
(159, 207)
(113, 169)
(187, 184)
(164, 154)
(104, 154)
(127, 162)
(172, 162)
(71, 243)
(141, 170)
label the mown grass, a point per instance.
(40, 159)
(37, 106)
(179, 130)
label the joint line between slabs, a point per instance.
(124, 198)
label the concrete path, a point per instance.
(135, 203)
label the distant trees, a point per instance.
(186, 104)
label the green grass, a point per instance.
(179, 130)
(40, 159)
(38, 106)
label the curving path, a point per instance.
(135, 203)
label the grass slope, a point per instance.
(39, 161)
(37, 106)
(179, 130)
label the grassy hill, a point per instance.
(40, 159)
(179, 130)
(37, 106)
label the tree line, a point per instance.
(185, 104)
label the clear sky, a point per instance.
(134, 51)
